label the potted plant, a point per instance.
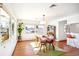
(20, 29)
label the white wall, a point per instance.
(7, 48)
(73, 19)
(61, 33)
(52, 22)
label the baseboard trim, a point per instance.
(62, 40)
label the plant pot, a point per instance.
(19, 38)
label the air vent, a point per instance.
(53, 5)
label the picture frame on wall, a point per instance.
(12, 28)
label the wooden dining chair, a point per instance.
(43, 41)
(50, 40)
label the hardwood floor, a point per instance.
(70, 51)
(25, 48)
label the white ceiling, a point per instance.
(33, 11)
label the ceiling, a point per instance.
(33, 11)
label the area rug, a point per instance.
(50, 52)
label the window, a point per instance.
(40, 29)
(29, 28)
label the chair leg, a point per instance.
(40, 47)
(49, 46)
(46, 46)
(53, 47)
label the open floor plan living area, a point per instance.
(39, 29)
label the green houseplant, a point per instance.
(20, 29)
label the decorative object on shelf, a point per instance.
(5, 37)
(20, 29)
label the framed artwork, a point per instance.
(12, 28)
